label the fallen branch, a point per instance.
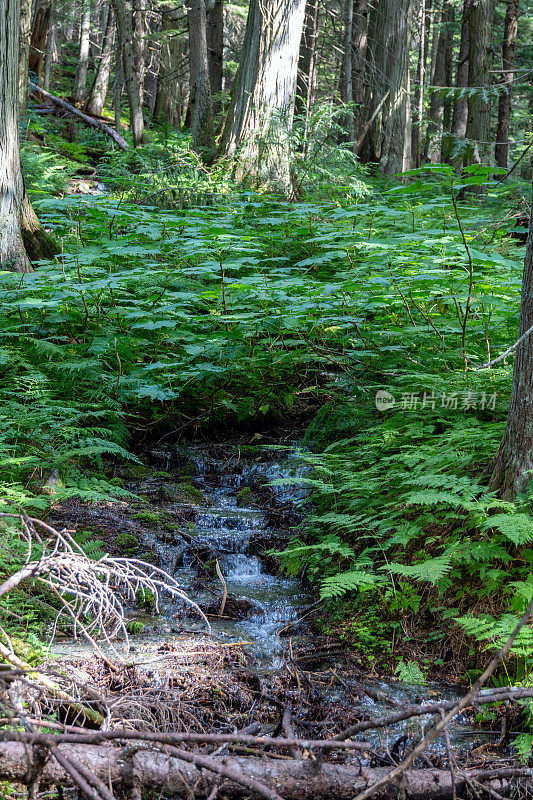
(164, 772)
(85, 118)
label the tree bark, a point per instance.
(133, 89)
(139, 30)
(346, 76)
(169, 99)
(419, 93)
(501, 151)
(21, 234)
(80, 80)
(24, 51)
(511, 469)
(13, 255)
(292, 779)
(96, 99)
(437, 102)
(202, 118)
(259, 120)
(392, 40)
(307, 60)
(215, 52)
(39, 33)
(480, 56)
(460, 109)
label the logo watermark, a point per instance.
(420, 401)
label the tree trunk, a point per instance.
(307, 60)
(20, 231)
(215, 51)
(24, 52)
(480, 62)
(293, 779)
(169, 97)
(202, 119)
(51, 50)
(460, 109)
(259, 121)
(346, 84)
(96, 100)
(133, 88)
(501, 151)
(418, 97)
(360, 66)
(392, 40)
(39, 33)
(436, 107)
(511, 470)
(139, 30)
(80, 80)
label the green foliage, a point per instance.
(410, 672)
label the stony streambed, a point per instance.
(205, 505)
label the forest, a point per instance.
(266, 399)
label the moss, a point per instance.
(244, 497)
(182, 493)
(116, 482)
(139, 471)
(146, 600)
(127, 543)
(135, 626)
(26, 651)
(149, 517)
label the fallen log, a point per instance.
(302, 779)
(85, 118)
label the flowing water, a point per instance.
(236, 528)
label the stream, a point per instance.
(234, 517)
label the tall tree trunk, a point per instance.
(392, 40)
(96, 100)
(170, 95)
(448, 67)
(126, 37)
(436, 106)
(346, 84)
(307, 59)
(455, 148)
(360, 66)
(80, 80)
(215, 52)
(39, 32)
(511, 469)
(501, 151)
(202, 119)
(24, 51)
(51, 49)
(139, 30)
(419, 93)
(480, 62)
(117, 87)
(12, 251)
(260, 116)
(20, 232)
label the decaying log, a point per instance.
(303, 779)
(92, 122)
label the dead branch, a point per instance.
(291, 779)
(85, 118)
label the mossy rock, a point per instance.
(153, 518)
(182, 493)
(139, 471)
(127, 543)
(116, 481)
(27, 652)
